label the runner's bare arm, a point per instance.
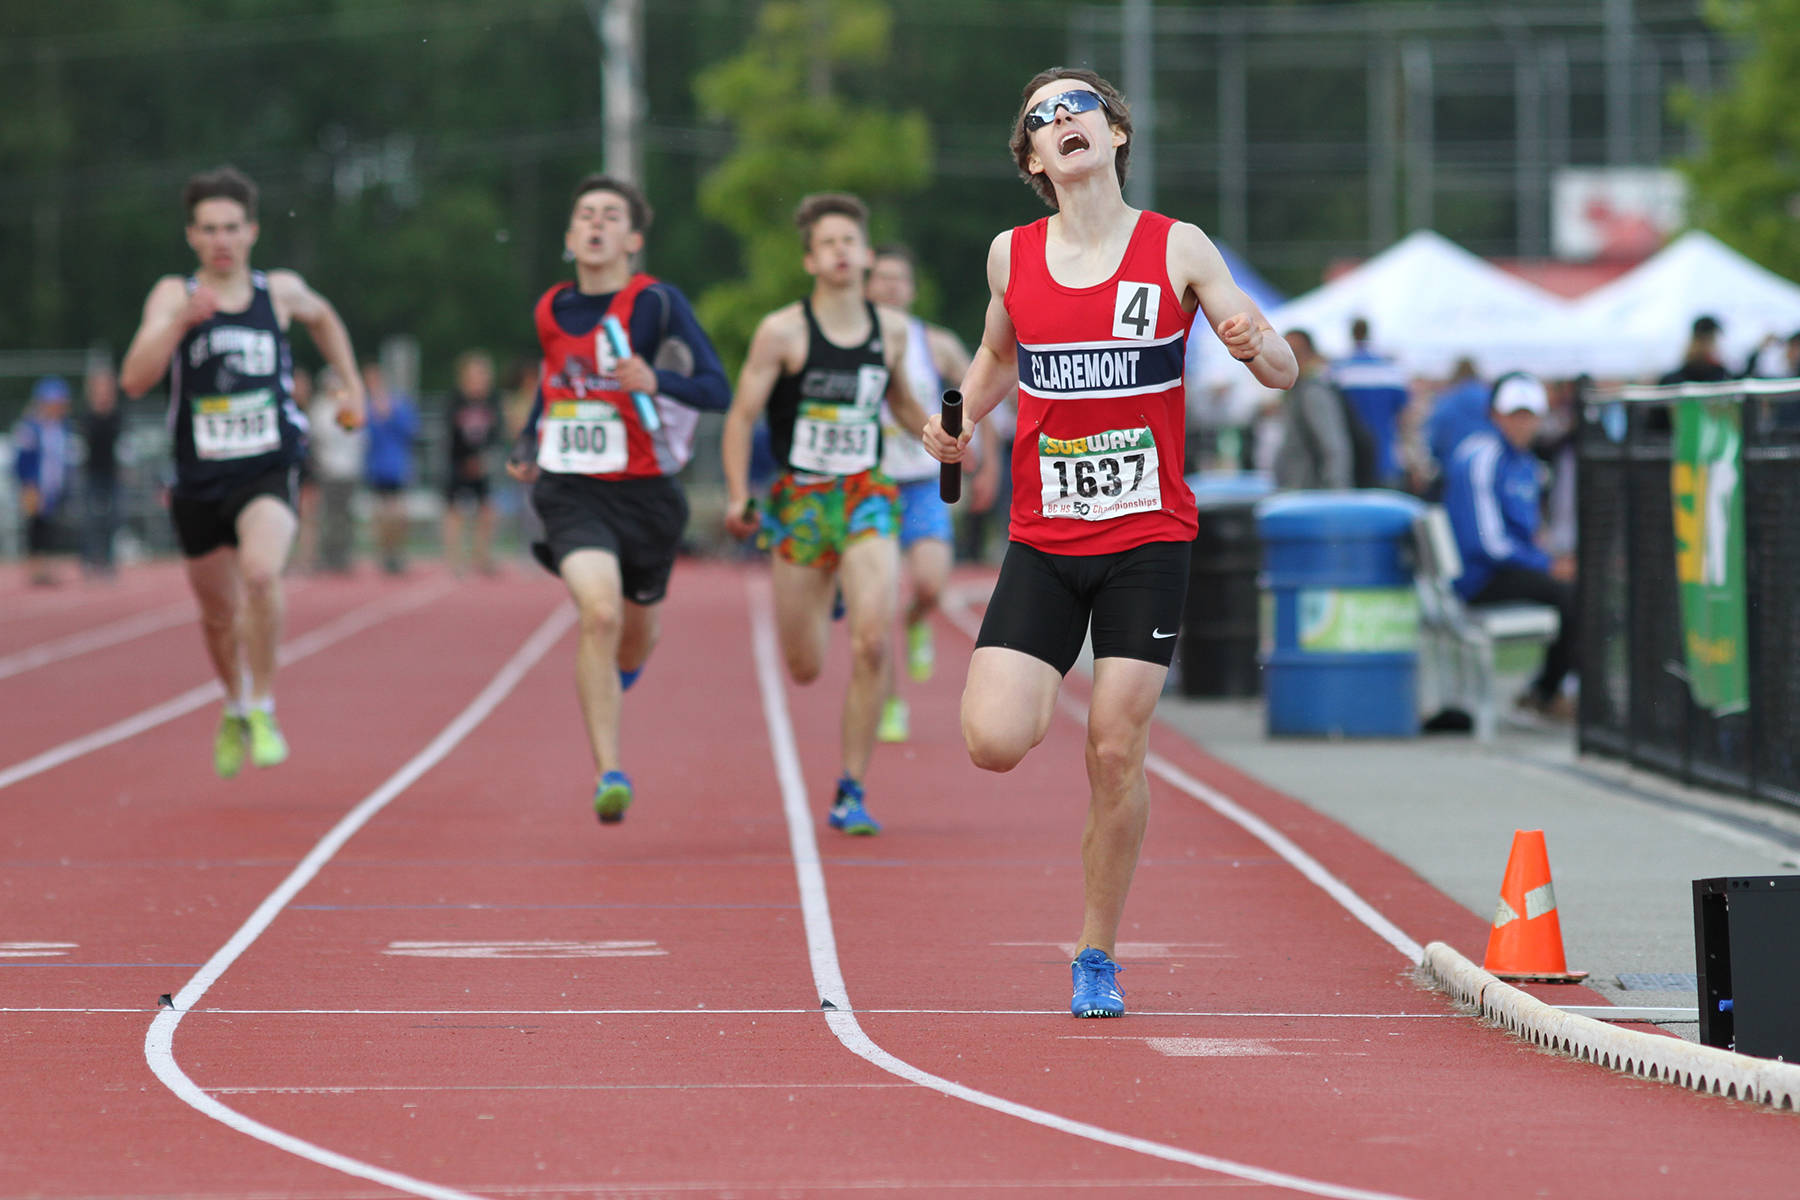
(908, 409)
(168, 313)
(951, 360)
(770, 350)
(1196, 265)
(993, 374)
(295, 301)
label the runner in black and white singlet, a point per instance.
(625, 373)
(232, 418)
(821, 367)
(1086, 315)
(933, 355)
(221, 336)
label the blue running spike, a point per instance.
(848, 815)
(1097, 993)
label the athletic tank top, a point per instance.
(232, 415)
(589, 424)
(1102, 412)
(825, 420)
(904, 458)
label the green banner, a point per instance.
(1358, 620)
(1707, 484)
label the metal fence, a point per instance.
(1635, 702)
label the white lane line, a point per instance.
(90, 640)
(159, 1040)
(350, 623)
(821, 943)
(701, 1010)
(347, 1089)
(956, 609)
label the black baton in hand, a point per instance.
(950, 474)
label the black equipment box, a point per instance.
(1747, 954)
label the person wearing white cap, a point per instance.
(1491, 493)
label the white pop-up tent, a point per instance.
(1429, 303)
(1639, 323)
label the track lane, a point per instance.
(965, 898)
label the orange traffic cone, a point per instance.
(1526, 941)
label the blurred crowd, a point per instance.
(362, 491)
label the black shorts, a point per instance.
(1043, 603)
(203, 525)
(473, 490)
(638, 521)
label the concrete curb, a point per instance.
(1671, 1060)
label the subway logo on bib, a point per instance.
(1100, 476)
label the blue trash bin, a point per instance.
(1340, 617)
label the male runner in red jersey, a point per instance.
(1086, 320)
(611, 427)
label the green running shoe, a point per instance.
(267, 747)
(896, 721)
(229, 745)
(921, 655)
(612, 797)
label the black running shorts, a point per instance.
(638, 521)
(202, 526)
(1043, 603)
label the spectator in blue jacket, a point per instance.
(1377, 389)
(1491, 495)
(393, 427)
(1459, 410)
(41, 467)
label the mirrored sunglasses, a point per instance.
(1079, 100)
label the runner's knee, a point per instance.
(599, 618)
(995, 747)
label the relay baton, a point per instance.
(615, 337)
(950, 474)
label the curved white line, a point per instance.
(955, 609)
(95, 639)
(821, 942)
(159, 1041)
(350, 623)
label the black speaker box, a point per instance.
(1747, 955)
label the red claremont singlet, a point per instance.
(1102, 412)
(589, 425)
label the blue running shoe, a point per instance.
(627, 678)
(612, 797)
(1097, 993)
(837, 605)
(848, 814)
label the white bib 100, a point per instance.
(583, 437)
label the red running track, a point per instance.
(410, 962)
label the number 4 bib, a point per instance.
(1100, 476)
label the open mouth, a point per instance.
(1071, 142)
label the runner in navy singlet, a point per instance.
(1086, 316)
(221, 335)
(611, 426)
(821, 368)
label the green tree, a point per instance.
(790, 98)
(1746, 185)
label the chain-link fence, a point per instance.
(1636, 702)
